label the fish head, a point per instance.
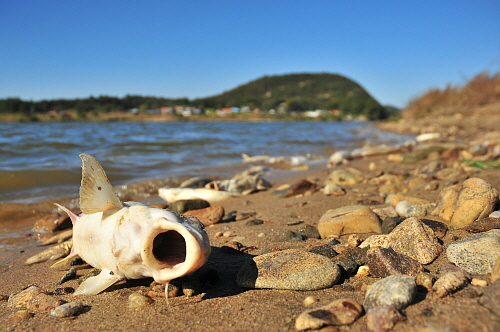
(174, 245)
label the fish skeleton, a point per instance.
(130, 240)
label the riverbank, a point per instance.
(465, 143)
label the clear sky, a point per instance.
(198, 48)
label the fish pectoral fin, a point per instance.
(96, 192)
(64, 261)
(95, 285)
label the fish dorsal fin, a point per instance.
(96, 193)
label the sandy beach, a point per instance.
(222, 305)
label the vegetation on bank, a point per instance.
(483, 89)
(331, 96)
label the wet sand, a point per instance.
(225, 306)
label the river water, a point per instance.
(39, 161)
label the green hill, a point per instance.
(299, 92)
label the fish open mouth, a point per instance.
(169, 248)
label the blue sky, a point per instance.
(394, 49)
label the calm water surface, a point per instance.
(39, 161)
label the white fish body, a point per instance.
(131, 240)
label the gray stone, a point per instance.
(396, 290)
(351, 258)
(289, 269)
(449, 283)
(184, 205)
(345, 177)
(67, 310)
(477, 253)
(137, 300)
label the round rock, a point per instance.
(395, 290)
(289, 269)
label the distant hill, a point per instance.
(283, 93)
(299, 92)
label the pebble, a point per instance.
(345, 177)
(478, 282)
(450, 283)
(20, 299)
(483, 225)
(303, 187)
(253, 222)
(324, 250)
(20, 316)
(309, 301)
(460, 205)
(476, 253)
(384, 262)
(184, 205)
(338, 312)
(353, 219)
(425, 279)
(385, 212)
(396, 290)
(67, 310)
(389, 223)
(137, 300)
(402, 208)
(383, 318)
(351, 259)
(333, 189)
(491, 298)
(363, 271)
(309, 231)
(417, 211)
(208, 216)
(412, 238)
(289, 269)
(42, 302)
(494, 214)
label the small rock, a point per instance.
(483, 225)
(478, 282)
(309, 301)
(64, 291)
(389, 223)
(491, 298)
(20, 316)
(363, 271)
(137, 300)
(439, 228)
(324, 250)
(184, 205)
(450, 283)
(349, 220)
(208, 216)
(254, 222)
(20, 299)
(385, 262)
(476, 253)
(339, 312)
(412, 238)
(69, 275)
(385, 212)
(396, 198)
(396, 290)
(417, 211)
(67, 310)
(425, 279)
(289, 269)
(345, 177)
(309, 231)
(402, 208)
(333, 189)
(301, 188)
(382, 318)
(460, 205)
(42, 302)
(351, 259)
(495, 214)
(353, 240)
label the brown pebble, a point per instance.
(191, 288)
(208, 216)
(20, 316)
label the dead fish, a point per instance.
(245, 183)
(130, 240)
(58, 238)
(54, 252)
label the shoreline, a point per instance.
(227, 307)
